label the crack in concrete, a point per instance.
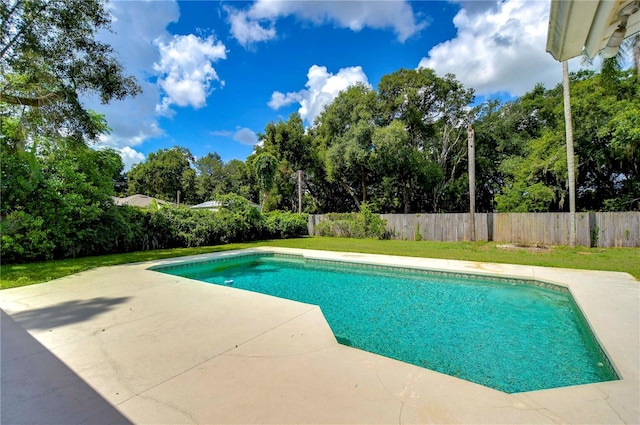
(385, 387)
(392, 396)
(274, 356)
(542, 410)
(606, 400)
(265, 332)
(115, 367)
(171, 406)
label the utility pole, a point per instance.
(571, 174)
(471, 140)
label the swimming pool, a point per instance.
(507, 334)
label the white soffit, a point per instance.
(575, 25)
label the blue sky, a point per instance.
(214, 73)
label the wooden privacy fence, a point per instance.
(601, 229)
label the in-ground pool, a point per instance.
(509, 334)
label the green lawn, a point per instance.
(614, 259)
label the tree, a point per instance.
(407, 172)
(630, 48)
(410, 96)
(494, 125)
(56, 192)
(288, 143)
(164, 174)
(435, 113)
(607, 141)
(349, 161)
(238, 179)
(209, 176)
(49, 57)
(63, 207)
(343, 140)
(536, 181)
(265, 168)
(533, 167)
(532, 153)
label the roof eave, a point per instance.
(569, 25)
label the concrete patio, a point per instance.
(125, 344)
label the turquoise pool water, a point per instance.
(510, 336)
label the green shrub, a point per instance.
(25, 238)
(105, 228)
(365, 224)
(283, 225)
(341, 227)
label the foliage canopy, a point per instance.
(49, 57)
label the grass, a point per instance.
(612, 259)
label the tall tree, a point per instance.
(349, 161)
(238, 180)
(164, 174)
(209, 176)
(435, 113)
(406, 172)
(288, 143)
(266, 166)
(606, 141)
(49, 57)
(343, 139)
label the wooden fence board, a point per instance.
(617, 229)
(602, 229)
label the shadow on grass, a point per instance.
(38, 388)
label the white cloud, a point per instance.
(278, 99)
(500, 48)
(130, 157)
(243, 135)
(321, 88)
(246, 26)
(246, 30)
(186, 68)
(134, 120)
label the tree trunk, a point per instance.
(406, 189)
(299, 191)
(364, 187)
(350, 192)
(571, 175)
(471, 140)
(635, 52)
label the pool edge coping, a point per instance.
(444, 266)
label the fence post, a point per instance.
(490, 226)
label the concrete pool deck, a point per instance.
(124, 344)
